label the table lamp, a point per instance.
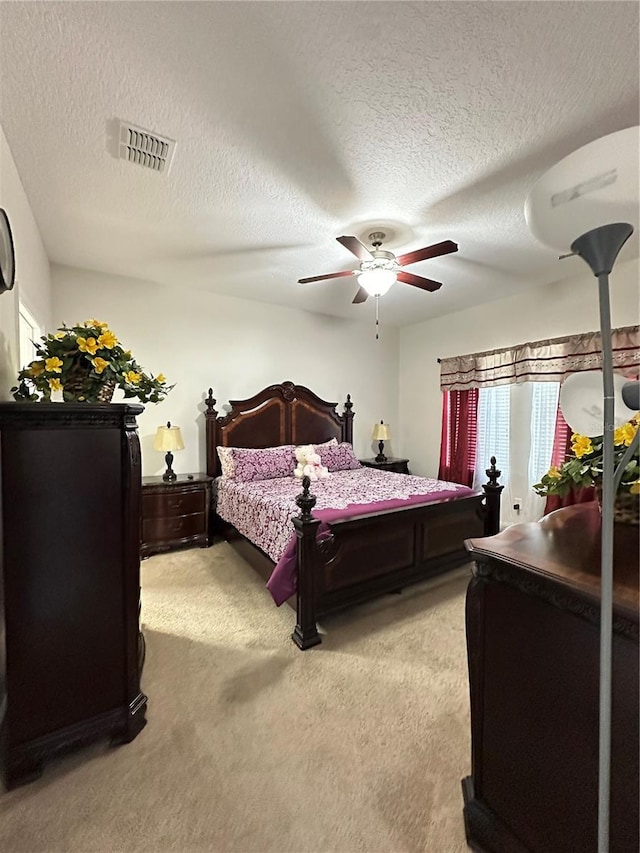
(168, 438)
(381, 434)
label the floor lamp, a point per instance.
(586, 188)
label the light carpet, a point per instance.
(253, 746)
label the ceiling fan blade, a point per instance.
(321, 277)
(434, 251)
(419, 281)
(356, 247)
(360, 296)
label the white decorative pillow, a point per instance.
(332, 441)
(225, 455)
(318, 447)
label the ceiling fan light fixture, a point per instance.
(377, 281)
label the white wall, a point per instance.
(33, 282)
(236, 346)
(551, 310)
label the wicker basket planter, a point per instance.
(626, 508)
(84, 386)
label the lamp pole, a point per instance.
(599, 248)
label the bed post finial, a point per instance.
(210, 403)
(348, 420)
(492, 502)
(305, 634)
(306, 501)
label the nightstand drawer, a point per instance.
(172, 503)
(174, 514)
(175, 527)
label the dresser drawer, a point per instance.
(173, 503)
(177, 527)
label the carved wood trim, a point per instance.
(69, 415)
(486, 570)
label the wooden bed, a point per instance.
(363, 556)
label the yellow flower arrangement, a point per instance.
(80, 361)
(584, 468)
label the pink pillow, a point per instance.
(248, 464)
(339, 457)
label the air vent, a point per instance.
(145, 148)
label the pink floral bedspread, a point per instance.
(262, 510)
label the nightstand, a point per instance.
(175, 514)
(400, 466)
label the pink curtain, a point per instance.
(561, 452)
(459, 436)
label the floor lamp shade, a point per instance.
(168, 438)
(588, 204)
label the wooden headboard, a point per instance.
(279, 414)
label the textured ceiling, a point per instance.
(297, 122)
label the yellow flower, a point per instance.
(98, 324)
(625, 434)
(635, 488)
(554, 473)
(99, 364)
(55, 384)
(89, 345)
(36, 368)
(581, 445)
(132, 377)
(161, 377)
(53, 365)
(107, 340)
(60, 335)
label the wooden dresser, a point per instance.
(70, 654)
(175, 514)
(533, 638)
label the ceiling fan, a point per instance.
(379, 269)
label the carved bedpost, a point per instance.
(305, 634)
(492, 505)
(213, 465)
(348, 420)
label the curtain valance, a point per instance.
(550, 360)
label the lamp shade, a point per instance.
(582, 403)
(377, 281)
(381, 432)
(593, 186)
(168, 438)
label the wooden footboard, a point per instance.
(366, 556)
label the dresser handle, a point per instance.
(176, 504)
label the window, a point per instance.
(494, 409)
(544, 406)
(30, 331)
(516, 425)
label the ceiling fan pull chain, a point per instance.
(377, 318)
